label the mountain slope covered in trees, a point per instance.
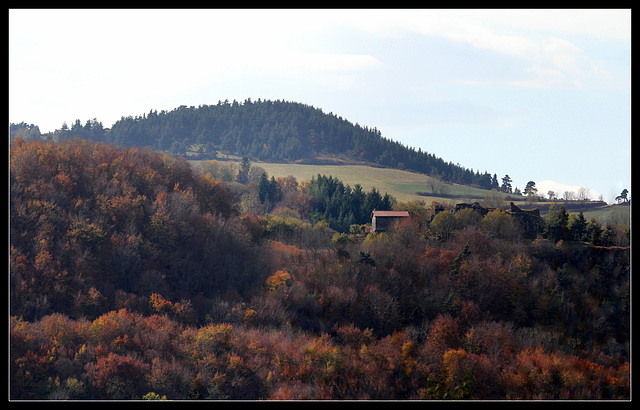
(270, 131)
(134, 276)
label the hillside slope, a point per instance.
(131, 276)
(406, 186)
(276, 131)
(401, 184)
(90, 222)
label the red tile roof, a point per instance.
(390, 213)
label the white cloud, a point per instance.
(537, 37)
(597, 23)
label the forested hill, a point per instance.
(272, 131)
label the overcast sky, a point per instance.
(542, 95)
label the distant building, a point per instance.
(383, 221)
(529, 219)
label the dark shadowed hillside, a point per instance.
(271, 131)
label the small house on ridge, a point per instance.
(383, 221)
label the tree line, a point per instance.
(268, 130)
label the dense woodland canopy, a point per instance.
(269, 131)
(134, 276)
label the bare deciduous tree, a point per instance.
(583, 193)
(437, 185)
(569, 196)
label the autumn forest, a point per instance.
(137, 275)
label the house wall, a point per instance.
(384, 223)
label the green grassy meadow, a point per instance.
(403, 186)
(613, 215)
(400, 184)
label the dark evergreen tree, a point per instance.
(577, 225)
(243, 173)
(506, 184)
(555, 224)
(494, 182)
(623, 196)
